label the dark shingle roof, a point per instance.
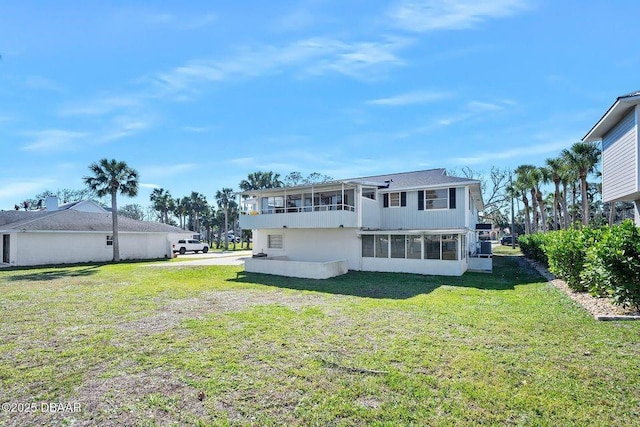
(430, 177)
(72, 220)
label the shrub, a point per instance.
(613, 265)
(531, 246)
(565, 250)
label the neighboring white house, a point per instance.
(417, 222)
(78, 232)
(618, 131)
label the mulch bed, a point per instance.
(600, 308)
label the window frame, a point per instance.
(270, 244)
(399, 199)
(427, 199)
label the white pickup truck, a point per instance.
(189, 245)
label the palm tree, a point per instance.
(583, 158)
(554, 168)
(522, 183)
(539, 175)
(260, 180)
(181, 210)
(197, 205)
(162, 203)
(224, 197)
(113, 177)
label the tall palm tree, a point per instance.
(197, 205)
(523, 183)
(539, 175)
(583, 158)
(162, 202)
(554, 169)
(224, 197)
(181, 210)
(113, 177)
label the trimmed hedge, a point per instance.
(531, 247)
(605, 261)
(612, 268)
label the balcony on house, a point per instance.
(326, 206)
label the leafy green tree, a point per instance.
(112, 177)
(295, 178)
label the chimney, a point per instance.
(52, 204)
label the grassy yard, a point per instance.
(138, 345)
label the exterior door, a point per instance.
(5, 248)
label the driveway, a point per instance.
(197, 260)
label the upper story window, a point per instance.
(441, 198)
(395, 200)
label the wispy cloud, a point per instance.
(362, 60)
(312, 56)
(433, 15)
(473, 110)
(148, 185)
(53, 140)
(124, 126)
(100, 106)
(410, 98)
(535, 148)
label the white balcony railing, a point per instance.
(321, 218)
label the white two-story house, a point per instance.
(416, 222)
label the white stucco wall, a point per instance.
(316, 245)
(40, 248)
(283, 266)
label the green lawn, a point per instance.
(138, 345)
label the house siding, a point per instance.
(619, 159)
(409, 217)
(42, 248)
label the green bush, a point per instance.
(531, 246)
(566, 252)
(613, 265)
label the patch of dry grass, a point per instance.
(141, 346)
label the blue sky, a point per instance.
(196, 95)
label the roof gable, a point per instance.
(620, 108)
